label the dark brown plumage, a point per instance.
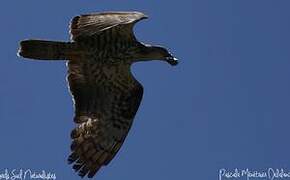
(106, 95)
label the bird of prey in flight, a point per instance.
(106, 95)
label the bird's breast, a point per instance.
(111, 75)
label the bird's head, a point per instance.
(162, 53)
(149, 52)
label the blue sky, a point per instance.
(225, 106)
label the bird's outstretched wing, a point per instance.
(104, 112)
(93, 24)
(106, 97)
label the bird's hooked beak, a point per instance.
(172, 60)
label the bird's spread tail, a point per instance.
(47, 50)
